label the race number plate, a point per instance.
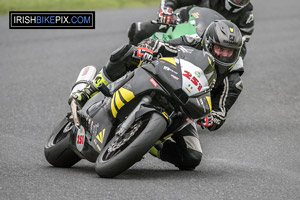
(80, 138)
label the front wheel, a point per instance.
(57, 150)
(122, 152)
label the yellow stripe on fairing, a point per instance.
(210, 63)
(119, 101)
(170, 60)
(112, 106)
(126, 94)
(209, 102)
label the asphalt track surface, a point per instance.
(255, 155)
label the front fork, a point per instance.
(74, 113)
(146, 100)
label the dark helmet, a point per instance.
(225, 37)
(236, 5)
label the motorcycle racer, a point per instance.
(240, 12)
(221, 42)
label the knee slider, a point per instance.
(136, 33)
(141, 30)
(120, 53)
(132, 34)
(191, 159)
(119, 62)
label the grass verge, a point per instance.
(58, 5)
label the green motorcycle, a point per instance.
(199, 19)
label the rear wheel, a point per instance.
(57, 150)
(123, 151)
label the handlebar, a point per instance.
(176, 20)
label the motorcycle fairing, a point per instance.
(194, 80)
(127, 97)
(192, 86)
(98, 136)
(168, 71)
(108, 109)
(196, 56)
(197, 107)
(119, 99)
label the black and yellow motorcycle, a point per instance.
(119, 125)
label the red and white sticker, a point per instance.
(153, 82)
(194, 80)
(80, 138)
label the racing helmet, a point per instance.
(223, 40)
(236, 5)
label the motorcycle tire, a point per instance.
(57, 150)
(111, 164)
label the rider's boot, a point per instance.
(91, 89)
(118, 65)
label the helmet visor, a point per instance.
(239, 3)
(225, 56)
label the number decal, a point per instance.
(193, 79)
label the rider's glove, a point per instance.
(219, 119)
(206, 121)
(213, 121)
(160, 47)
(165, 15)
(144, 52)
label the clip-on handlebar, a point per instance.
(176, 20)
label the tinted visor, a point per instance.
(239, 3)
